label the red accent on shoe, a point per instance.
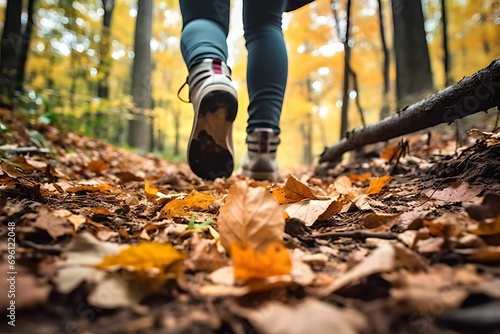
(264, 139)
(217, 65)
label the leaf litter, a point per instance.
(110, 241)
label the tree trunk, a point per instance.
(413, 66)
(139, 135)
(105, 49)
(478, 92)
(446, 49)
(384, 112)
(24, 47)
(344, 116)
(9, 50)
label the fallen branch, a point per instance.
(30, 149)
(472, 94)
(358, 235)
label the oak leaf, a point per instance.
(252, 217)
(250, 264)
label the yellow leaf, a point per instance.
(103, 188)
(151, 191)
(488, 227)
(195, 201)
(294, 191)
(146, 256)
(251, 217)
(250, 264)
(377, 184)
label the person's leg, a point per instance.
(203, 46)
(205, 26)
(267, 72)
(267, 62)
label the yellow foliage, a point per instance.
(377, 184)
(195, 201)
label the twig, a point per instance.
(358, 235)
(30, 149)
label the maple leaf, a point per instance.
(377, 184)
(250, 264)
(294, 191)
(251, 217)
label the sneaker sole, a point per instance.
(210, 152)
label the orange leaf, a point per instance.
(103, 188)
(294, 191)
(359, 177)
(377, 184)
(151, 191)
(97, 166)
(389, 152)
(195, 201)
(250, 264)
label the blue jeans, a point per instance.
(204, 33)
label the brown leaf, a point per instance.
(489, 207)
(294, 191)
(55, 226)
(251, 217)
(359, 177)
(278, 318)
(377, 184)
(457, 192)
(382, 259)
(310, 211)
(204, 255)
(97, 166)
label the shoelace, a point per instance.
(180, 90)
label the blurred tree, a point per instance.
(446, 48)
(105, 50)
(9, 50)
(140, 125)
(24, 46)
(384, 111)
(413, 66)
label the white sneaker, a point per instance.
(260, 161)
(210, 149)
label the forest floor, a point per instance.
(109, 241)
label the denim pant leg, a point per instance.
(205, 25)
(267, 62)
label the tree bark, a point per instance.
(413, 66)
(344, 119)
(139, 135)
(446, 49)
(384, 112)
(478, 92)
(24, 47)
(105, 49)
(9, 50)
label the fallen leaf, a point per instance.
(457, 192)
(382, 259)
(204, 255)
(251, 217)
(310, 211)
(489, 207)
(76, 220)
(84, 252)
(359, 177)
(380, 222)
(308, 316)
(489, 254)
(102, 188)
(195, 201)
(146, 256)
(343, 185)
(377, 184)
(294, 191)
(97, 166)
(55, 226)
(250, 264)
(151, 191)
